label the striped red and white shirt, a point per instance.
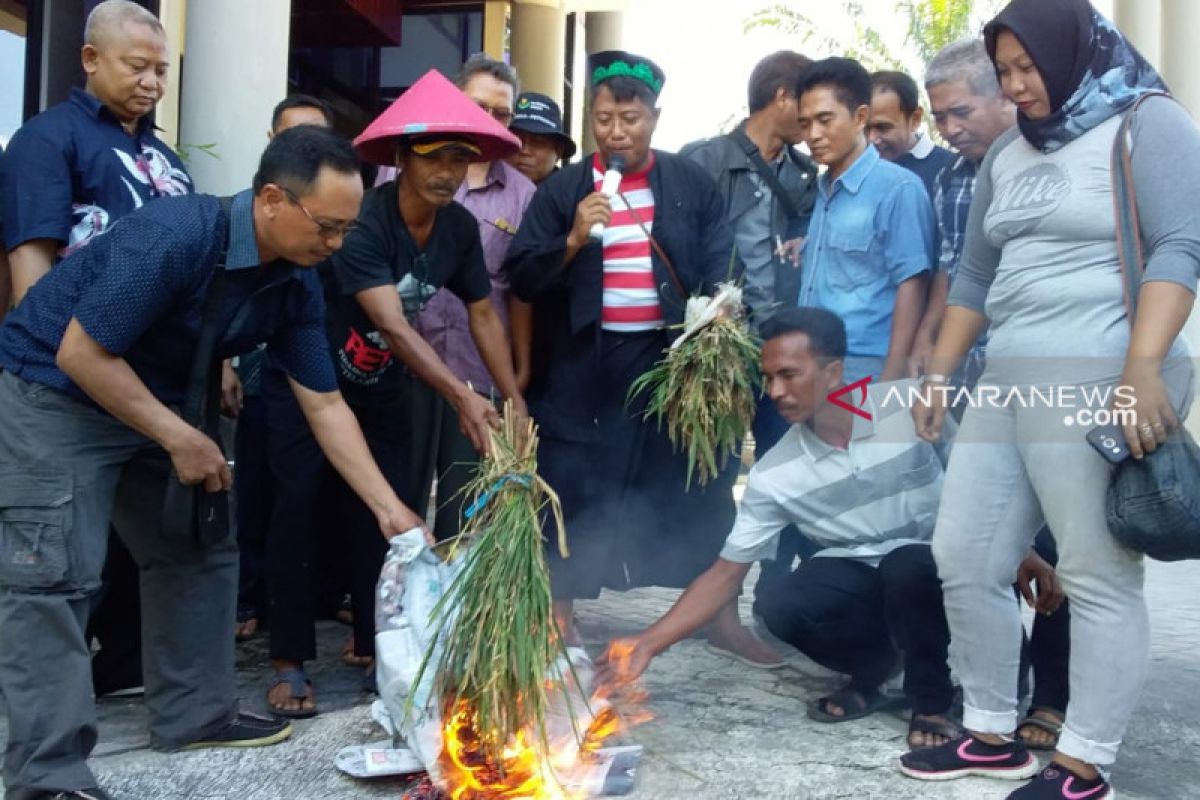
(630, 301)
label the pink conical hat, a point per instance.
(434, 105)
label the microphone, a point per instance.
(610, 184)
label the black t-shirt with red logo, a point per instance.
(380, 252)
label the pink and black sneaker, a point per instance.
(967, 755)
(1056, 782)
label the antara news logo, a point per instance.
(1082, 405)
(859, 386)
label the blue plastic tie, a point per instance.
(486, 497)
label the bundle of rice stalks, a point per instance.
(499, 641)
(705, 388)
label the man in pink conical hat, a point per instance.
(410, 240)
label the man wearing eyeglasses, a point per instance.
(71, 173)
(95, 361)
(497, 194)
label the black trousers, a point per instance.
(253, 488)
(443, 452)
(1048, 648)
(116, 622)
(311, 502)
(856, 619)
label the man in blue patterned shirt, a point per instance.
(95, 360)
(78, 167)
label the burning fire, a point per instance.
(527, 771)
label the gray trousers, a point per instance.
(66, 469)
(1011, 470)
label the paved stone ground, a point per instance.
(722, 730)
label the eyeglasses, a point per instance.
(326, 230)
(499, 113)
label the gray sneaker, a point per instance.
(77, 794)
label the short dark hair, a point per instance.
(301, 101)
(295, 157)
(899, 84)
(780, 70)
(825, 330)
(850, 81)
(625, 89)
(483, 63)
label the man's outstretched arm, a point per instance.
(626, 659)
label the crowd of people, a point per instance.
(364, 326)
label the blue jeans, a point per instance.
(855, 367)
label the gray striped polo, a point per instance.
(879, 494)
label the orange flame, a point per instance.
(527, 771)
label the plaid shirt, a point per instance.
(954, 188)
(952, 203)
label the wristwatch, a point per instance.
(935, 378)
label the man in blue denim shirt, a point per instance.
(870, 244)
(93, 360)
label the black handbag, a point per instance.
(1153, 504)
(190, 512)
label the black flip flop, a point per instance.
(855, 704)
(298, 685)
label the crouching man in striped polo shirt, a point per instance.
(852, 474)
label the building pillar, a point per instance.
(605, 31)
(1180, 68)
(1179, 62)
(1142, 22)
(166, 115)
(496, 29)
(234, 72)
(538, 49)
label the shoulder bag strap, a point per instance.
(662, 254)
(764, 170)
(202, 403)
(1129, 233)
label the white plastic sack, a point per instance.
(411, 583)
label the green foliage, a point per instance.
(187, 151)
(705, 392)
(501, 644)
(932, 24)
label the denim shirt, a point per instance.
(872, 229)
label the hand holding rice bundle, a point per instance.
(706, 386)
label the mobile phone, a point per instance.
(1109, 441)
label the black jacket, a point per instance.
(723, 158)
(689, 225)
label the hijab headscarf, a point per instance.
(1090, 70)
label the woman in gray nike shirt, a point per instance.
(1041, 269)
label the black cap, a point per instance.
(537, 113)
(619, 63)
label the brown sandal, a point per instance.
(1049, 726)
